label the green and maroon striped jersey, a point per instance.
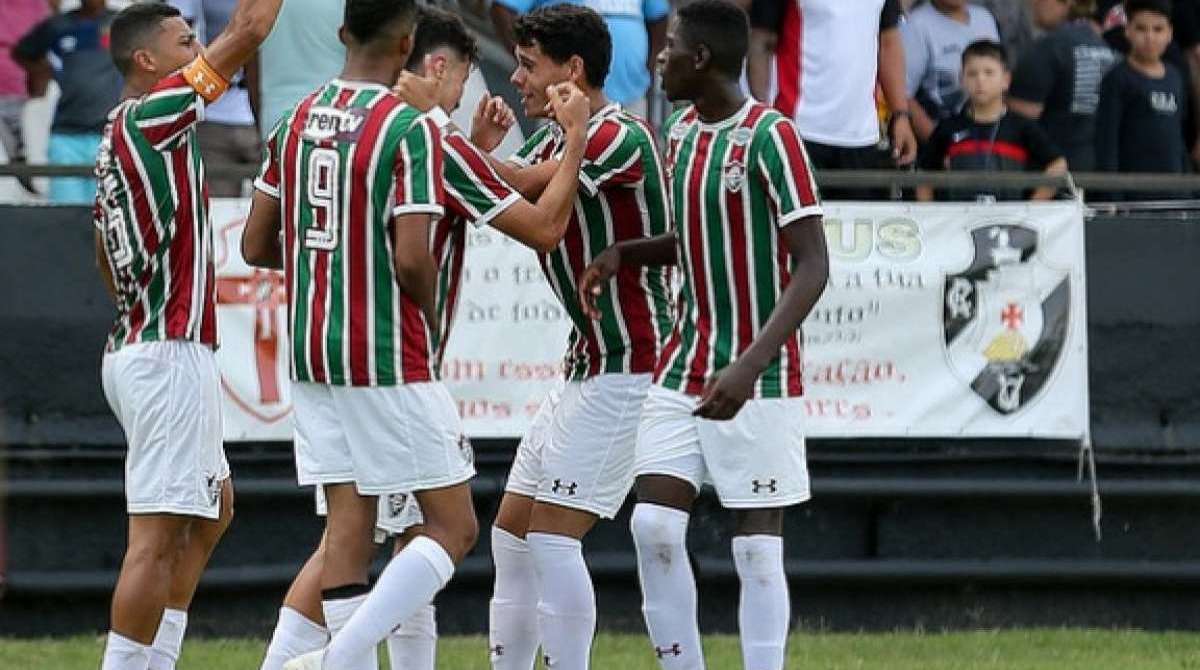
(348, 159)
(622, 196)
(734, 186)
(475, 194)
(152, 210)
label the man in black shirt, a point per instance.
(984, 136)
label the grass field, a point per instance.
(1017, 650)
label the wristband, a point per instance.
(205, 79)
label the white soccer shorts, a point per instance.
(755, 460)
(383, 439)
(167, 397)
(578, 452)
(396, 513)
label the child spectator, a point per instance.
(985, 136)
(934, 38)
(1140, 121)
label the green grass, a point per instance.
(1010, 650)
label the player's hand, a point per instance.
(904, 141)
(595, 277)
(424, 92)
(569, 106)
(490, 122)
(726, 392)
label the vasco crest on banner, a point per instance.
(1006, 316)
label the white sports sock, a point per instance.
(566, 604)
(413, 645)
(764, 613)
(121, 653)
(338, 612)
(295, 634)
(168, 641)
(512, 620)
(668, 585)
(410, 581)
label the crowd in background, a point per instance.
(868, 82)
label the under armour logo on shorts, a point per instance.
(546, 661)
(559, 486)
(672, 650)
(769, 486)
(464, 446)
(396, 502)
(497, 650)
(214, 489)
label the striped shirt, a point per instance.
(346, 160)
(622, 196)
(152, 210)
(734, 185)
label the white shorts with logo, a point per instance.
(383, 439)
(578, 452)
(397, 512)
(167, 397)
(754, 460)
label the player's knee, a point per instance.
(161, 548)
(458, 537)
(657, 526)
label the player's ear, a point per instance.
(576, 71)
(143, 60)
(343, 36)
(702, 57)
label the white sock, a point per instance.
(338, 612)
(121, 653)
(413, 646)
(512, 620)
(410, 581)
(295, 634)
(668, 585)
(566, 603)
(168, 641)
(764, 613)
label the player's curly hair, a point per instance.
(370, 20)
(438, 28)
(563, 31)
(133, 28)
(722, 27)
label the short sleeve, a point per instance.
(37, 42)
(891, 15)
(655, 10)
(168, 111)
(1036, 73)
(268, 174)
(613, 157)
(473, 189)
(538, 143)
(418, 170)
(783, 166)
(767, 14)
(933, 154)
(1042, 150)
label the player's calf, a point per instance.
(669, 598)
(764, 609)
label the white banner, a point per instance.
(939, 320)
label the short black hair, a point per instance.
(721, 26)
(133, 27)
(438, 28)
(1133, 7)
(563, 31)
(369, 20)
(986, 49)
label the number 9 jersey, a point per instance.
(348, 159)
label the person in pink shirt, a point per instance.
(15, 86)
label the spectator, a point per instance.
(227, 135)
(1058, 78)
(1139, 124)
(984, 136)
(1015, 23)
(76, 43)
(934, 38)
(15, 86)
(639, 32)
(829, 56)
(301, 53)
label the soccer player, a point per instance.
(356, 177)
(725, 405)
(575, 465)
(475, 194)
(153, 245)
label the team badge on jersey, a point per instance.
(735, 176)
(1006, 317)
(741, 136)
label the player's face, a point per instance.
(677, 65)
(1149, 35)
(985, 79)
(535, 72)
(174, 47)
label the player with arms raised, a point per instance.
(154, 248)
(725, 405)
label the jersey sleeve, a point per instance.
(473, 189)
(891, 15)
(268, 174)
(176, 103)
(783, 166)
(418, 171)
(534, 147)
(37, 42)
(613, 157)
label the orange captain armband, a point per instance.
(205, 79)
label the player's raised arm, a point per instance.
(248, 27)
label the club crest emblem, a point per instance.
(735, 176)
